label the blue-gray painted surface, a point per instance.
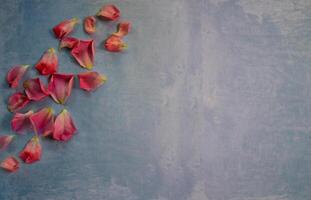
(212, 101)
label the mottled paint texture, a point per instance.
(211, 101)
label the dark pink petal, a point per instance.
(48, 64)
(43, 121)
(17, 101)
(32, 151)
(10, 164)
(60, 86)
(123, 29)
(84, 53)
(15, 74)
(68, 42)
(21, 122)
(109, 12)
(90, 24)
(35, 90)
(64, 127)
(90, 81)
(5, 140)
(65, 28)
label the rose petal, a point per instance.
(60, 86)
(43, 121)
(123, 29)
(68, 42)
(15, 74)
(48, 64)
(65, 28)
(10, 164)
(90, 81)
(32, 151)
(109, 12)
(34, 89)
(115, 44)
(64, 127)
(84, 53)
(5, 140)
(21, 122)
(90, 24)
(17, 101)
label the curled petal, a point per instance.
(84, 53)
(68, 42)
(10, 164)
(43, 121)
(5, 140)
(48, 63)
(34, 89)
(15, 74)
(65, 28)
(90, 81)
(115, 44)
(17, 101)
(32, 151)
(109, 12)
(60, 86)
(90, 24)
(21, 122)
(123, 29)
(64, 127)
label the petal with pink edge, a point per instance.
(11, 164)
(60, 86)
(5, 140)
(15, 74)
(123, 29)
(64, 127)
(43, 121)
(68, 42)
(34, 89)
(17, 101)
(65, 27)
(84, 53)
(90, 24)
(21, 122)
(32, 151)
(90, 81)
(48, 64)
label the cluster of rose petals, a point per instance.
(44, 122)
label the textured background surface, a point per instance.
(210, 102)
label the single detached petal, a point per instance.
(115, 44)
(64, 127)
(90, 81)
(90, 24)
(43, 121)
(10, 164)
(34, 89)
(32, 151)
(123, 29)
(65, 28)
(48, 63)
(17, 101)
(84, 53)
(109, 12)
(60, 86)
(15, 74)
(68, 42)
(21, 122)
(5, 140)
